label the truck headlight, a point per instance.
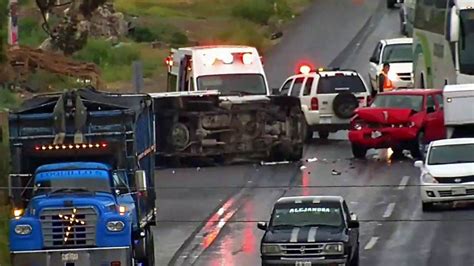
(427, 178)
(23, 229)
(115, 226)
(334, 248)
(271, 249)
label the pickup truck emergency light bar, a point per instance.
(70, 146)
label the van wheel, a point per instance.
(323, 134)
(358, 151)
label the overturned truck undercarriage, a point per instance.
(205, 126)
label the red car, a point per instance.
(401, 119)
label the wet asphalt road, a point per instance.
(207, 216)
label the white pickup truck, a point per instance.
(458, 101)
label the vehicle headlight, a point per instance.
(23, 229)
(357, 126)
(334, 248)
(427, 178)
(115, 226)
(392, 75)
(271, 249)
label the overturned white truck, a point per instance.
(219, 106)
(459, 110)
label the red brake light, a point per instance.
(305, 69)
(314, 104)
(115, 263)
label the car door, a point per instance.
(434, 119)
(374, 63)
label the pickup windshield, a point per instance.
(233, 84)
(315, 214)
(466, 45)
(70, 184)
(449, 154)
(413, 102)
(398, 53)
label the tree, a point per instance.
(3, 29)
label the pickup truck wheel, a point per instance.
(358, 151)
(427, 206)
(418, 146)
(355, 259)
(323, 134)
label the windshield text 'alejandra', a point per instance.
(298, 210)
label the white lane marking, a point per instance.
(371, 243)
(389, 210)
(294, 235)
(403, 183)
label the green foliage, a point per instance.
(7, 100)
(260, 11)
(104, 54)
(31, 33)
(159, 32)
(3, 29)
(4, 249)
(243, 33)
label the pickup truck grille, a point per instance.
(302, 250)
(68, 227)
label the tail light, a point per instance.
(314, 104)
(115, 263)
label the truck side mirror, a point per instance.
(140, 180)
(430, 109)
(262, 226)
(452, 31)
(354, 224)
(373, 59)
(275, 91)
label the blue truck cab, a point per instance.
(82, 188)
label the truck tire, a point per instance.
(417, 148)
(355, 259)
(358, 151)
(297, 154)
(344, 105)
(150, 248)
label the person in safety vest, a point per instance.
(385, 84)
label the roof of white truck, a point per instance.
(459, 87)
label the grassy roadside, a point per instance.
(4, 253)
(160, 25)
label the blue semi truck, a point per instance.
(82, 179)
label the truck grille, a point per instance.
(68, 227)
(404, 76)
(302, 250)
(455, 180)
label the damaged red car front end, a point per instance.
(384, 127)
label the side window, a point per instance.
(295, 91)
(439, 99)
(286, 87)
(307, 86)
(430, 103)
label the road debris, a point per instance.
(303, 167)
(312, 160)
(335, 172)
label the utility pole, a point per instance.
(13, 23)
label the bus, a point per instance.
(443, 43)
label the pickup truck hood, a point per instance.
(451, 170)
(401, 67)
(384, 115)
(305, 234)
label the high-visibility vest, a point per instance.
(387, 83)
